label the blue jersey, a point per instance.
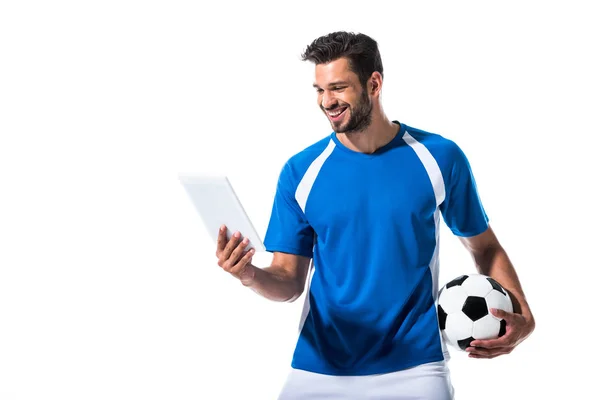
(370, 223)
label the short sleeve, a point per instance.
(288, 230)
(462, 209)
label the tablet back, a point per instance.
(216, 202)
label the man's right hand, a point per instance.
(233, 258)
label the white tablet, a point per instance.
(217, 204)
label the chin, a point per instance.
(345, 129)
(339, 129)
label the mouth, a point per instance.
(336, 114)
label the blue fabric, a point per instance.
(369, 224)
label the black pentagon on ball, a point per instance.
(464, 343)
(442, 315)
(457, 281)
(502, 328)
(496, 285)
(475, 307)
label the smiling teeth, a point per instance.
(335, 114)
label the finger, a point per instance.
(240, 269)
(231, 245)
(513, 320)
(478, 352)
(501, 342)
(482, 356)
(221, 239)
(238, 252)
(478, 355)
(499, 313)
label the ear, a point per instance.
(375, 82)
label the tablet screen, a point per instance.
(217, 204)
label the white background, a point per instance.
(109, 287)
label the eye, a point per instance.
(319, 91)
(339, 89)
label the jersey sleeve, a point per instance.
(462, 208)
(288, 230)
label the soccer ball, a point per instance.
(464, 309)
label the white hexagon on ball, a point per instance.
(458, 327)
(477, 285)
(452, 299)
(496, 299)
(487, 327)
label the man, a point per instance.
(364, 204)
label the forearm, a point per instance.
(274, 284)
(496, 264)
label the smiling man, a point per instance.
(355, 222)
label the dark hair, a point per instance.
(360, 50)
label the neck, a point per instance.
(380, 132)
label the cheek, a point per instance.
(347, 100)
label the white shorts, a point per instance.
(429, 381)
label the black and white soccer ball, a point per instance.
(464, 309)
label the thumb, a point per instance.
(499, 313)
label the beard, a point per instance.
(358, 118)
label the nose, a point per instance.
(328, 100)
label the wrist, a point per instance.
(248, 275)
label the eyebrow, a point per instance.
(336, 83)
